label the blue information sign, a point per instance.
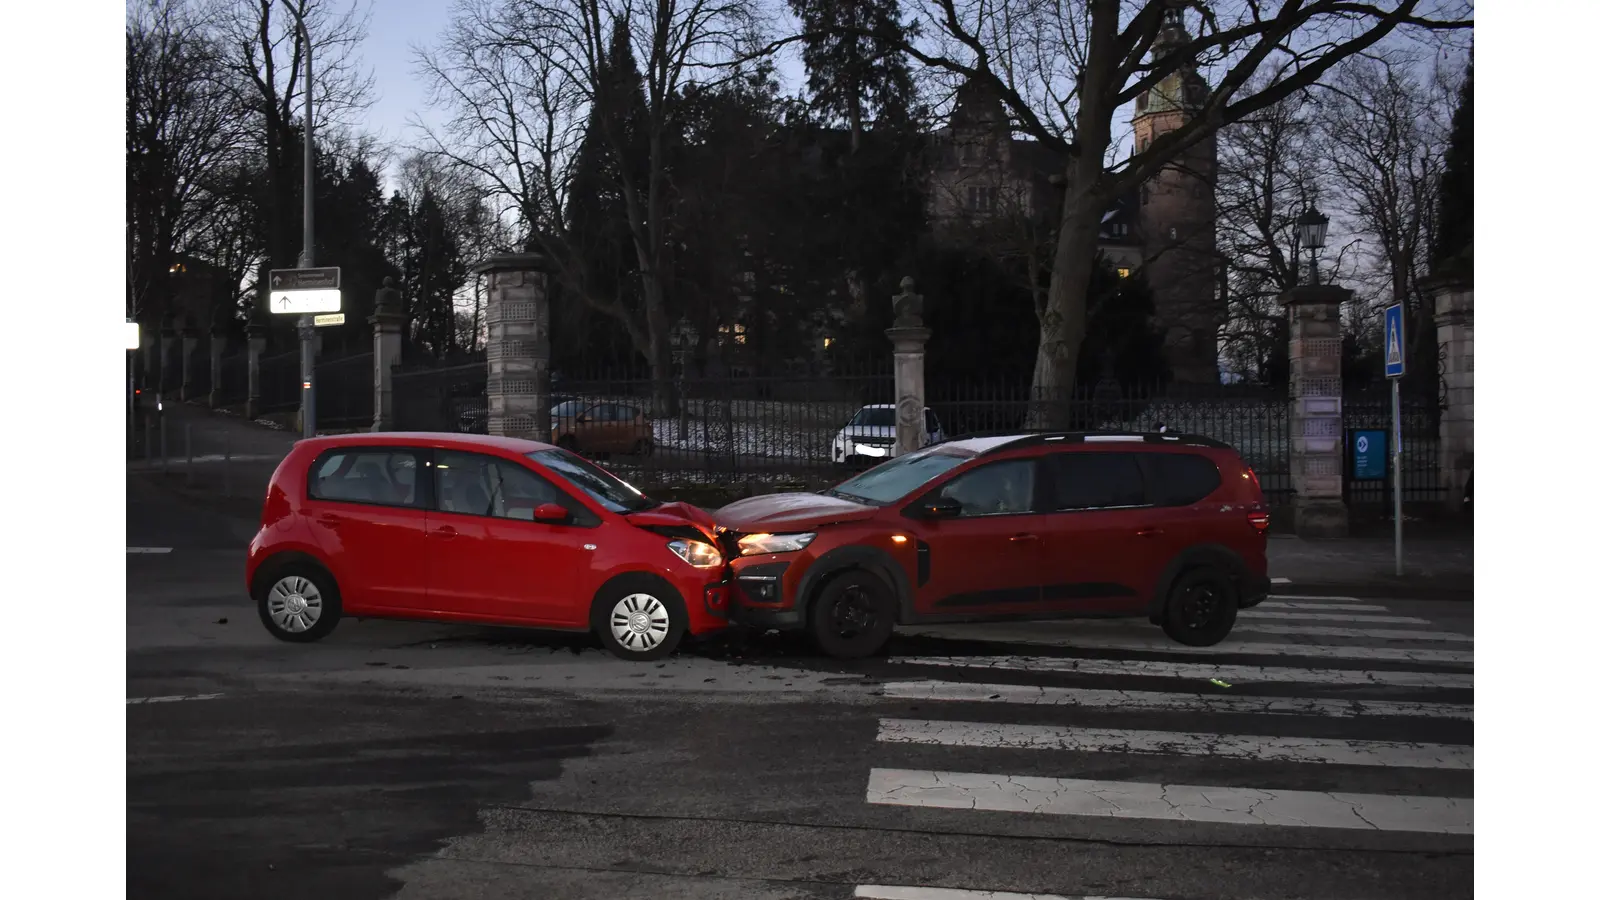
(1394, 341)
(1371, 455)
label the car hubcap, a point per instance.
(640, 622)
(1199, 606)
(854, 614)
(294, 604)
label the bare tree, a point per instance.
(264, 52)
(1065, 69)
(523, 77)
(1386, 125)
(182, 126)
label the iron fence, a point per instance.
(1420, 478)
(447, 398)
(235, 385)
(345, 391)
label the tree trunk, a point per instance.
(1061, 328)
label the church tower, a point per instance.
(1178, 221)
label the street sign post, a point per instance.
(1394, 368)
(304, 292)
(1371, 448)
(325, 321)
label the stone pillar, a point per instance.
(518, 351)
(169, 336)
(1452, 313)
(910, 339)
(189, 341)
(1316, 419)
(219, 341)
(257, 345)
(387, 320)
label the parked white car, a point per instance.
(869, 436)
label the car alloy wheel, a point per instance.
(1201, 607)
(640, 622)
(294, 604)
(853, 614)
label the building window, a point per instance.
(982, 199)
(1124, 272)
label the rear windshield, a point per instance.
(874, 417)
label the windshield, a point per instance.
(874, 417)
(603, 487)
(567, 410)
(895, 479)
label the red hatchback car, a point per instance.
(1168, 526)
(470, 528)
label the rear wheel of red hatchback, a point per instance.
(298, 601)
(639, 618)
(853, 615)
(1201, 607)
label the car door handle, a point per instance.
(444, 531)
(1018, 538)
(329, 520)
(1149, 531)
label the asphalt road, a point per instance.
(420, 761)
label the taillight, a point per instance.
(1259, 520)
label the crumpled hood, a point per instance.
(674, 514)
(775, 513)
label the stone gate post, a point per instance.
(910, 339)
(217, 342)
(188, 342)
(387, 319)
(1316, 415)
(257, 345)
(1452, 313)
(518, 351)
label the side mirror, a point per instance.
(941, 508)
(551, 514)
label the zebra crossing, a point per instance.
(1383, 699)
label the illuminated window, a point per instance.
(736, 332)
(1124, 272)
(827, 342)
(178, 268)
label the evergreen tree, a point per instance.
(1454, 231)
(854, 75)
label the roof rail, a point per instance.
(1089, 437)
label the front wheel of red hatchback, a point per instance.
(1201, 607)
(853, 616)
(298, 602)
(639, 618)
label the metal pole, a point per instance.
(165, 468)
(149, 439)
(188, 453)
(1399, 519)
(227, 465)
(307, 328)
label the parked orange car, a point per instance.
(585, 427)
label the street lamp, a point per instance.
(1312, 229)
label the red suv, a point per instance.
(1168, 526)
(470, 528)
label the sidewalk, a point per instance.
(235, 458)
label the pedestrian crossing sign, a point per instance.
(1394, 341)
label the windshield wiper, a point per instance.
(853, 498)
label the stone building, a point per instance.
(985, 184)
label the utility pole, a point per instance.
(306, 326)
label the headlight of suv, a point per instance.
(756, 544)
(699, 554)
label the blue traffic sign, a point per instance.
(1394, 341)
(1371, 452)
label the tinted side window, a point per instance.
(479, 485)
(382, 477)
(995, 489)
(932, 420)
(626, 413)
(1096, 481)
(603, 413)
(1180, 479)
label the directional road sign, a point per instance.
(1394, 341)
(303, 291)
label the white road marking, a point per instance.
(1302, 615)
(1151, 701)
(1182, 803)
(149, 549)
(1255, 747)
(1201, 671)
(1160, 644)
(175, 698)
(1386, 634)
(907, 892)
(1280, 581)
(1313, 597)
(1294, 604)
